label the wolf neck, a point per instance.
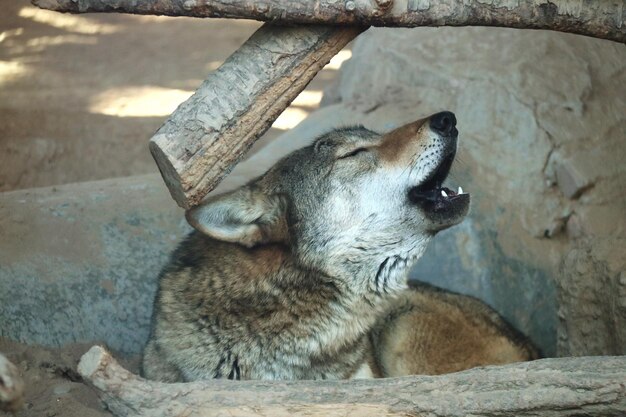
(324, 312)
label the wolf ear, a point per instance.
(243, 216)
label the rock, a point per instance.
(72, 243)
(591, 300)
(571, 181)
(62, 389)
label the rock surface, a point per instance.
(79, 262)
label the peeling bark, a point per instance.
(207, 135)
(600, 19)
(590, 386)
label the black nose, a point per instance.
(443, 122)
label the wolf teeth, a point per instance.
(460, 191)
(443, 193)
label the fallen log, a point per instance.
(11, 386)
(207, 134)
(590, 386)
(600, 19)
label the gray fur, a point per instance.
(288, 274)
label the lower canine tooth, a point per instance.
(443, 193)
(460, 191)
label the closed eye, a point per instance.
(353, 153)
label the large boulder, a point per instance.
(79, 262)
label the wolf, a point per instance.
(285, 277)
(431, 331)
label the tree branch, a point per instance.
(600, 19)
(207, 135)
(592, 386)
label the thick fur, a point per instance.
(288, 274)
(429, 331)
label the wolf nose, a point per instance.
(443, 122)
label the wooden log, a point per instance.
(600, 19)
(590, 386)
(207, 134)
(11, 386)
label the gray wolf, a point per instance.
(286, 276)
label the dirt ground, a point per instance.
(80, 95)
(53, 387)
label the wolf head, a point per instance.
(356, 205)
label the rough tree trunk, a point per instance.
(207, 135)
(591, 386)
(601, 19)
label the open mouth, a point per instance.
(432, 190)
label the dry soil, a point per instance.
(53, 387)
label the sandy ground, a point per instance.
(80, 95)
(53, 387)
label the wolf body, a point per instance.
(430, 331)
(286, 276)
